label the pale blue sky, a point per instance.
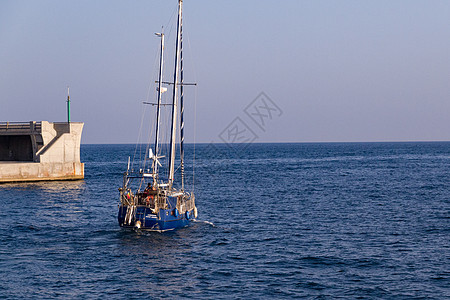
(338, 70)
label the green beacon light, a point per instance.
(68, 106)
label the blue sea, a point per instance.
(276, 221)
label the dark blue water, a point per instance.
(321, 221)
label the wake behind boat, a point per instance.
(147, 199)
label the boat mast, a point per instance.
(181, 108)
(174, 99)
(158, 109)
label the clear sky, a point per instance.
(336, 70)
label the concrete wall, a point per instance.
(61, 142)
(53, 148)
(22, 171)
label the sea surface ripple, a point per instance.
(319, 221)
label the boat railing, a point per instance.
(127, 197)
(190, 203)
(161, 202)
(186, 205)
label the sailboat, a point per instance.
(158, 204)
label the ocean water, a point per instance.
(276, 221)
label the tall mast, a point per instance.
(158, 109)
(181, 108)
(174, 99)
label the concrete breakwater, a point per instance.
(36, 151)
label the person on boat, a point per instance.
(149, 194)
(148, 189)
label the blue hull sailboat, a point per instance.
(156, 203)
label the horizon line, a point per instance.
(307, 142)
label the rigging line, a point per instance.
(146, 159)
(138, 144)
(139, 141)
(152, 127)
(144, 162)
(149, 138)
(174, 11)
(141, 181)
(154, 75)
(165, 144)
(192, 59)
(195, 137)
(195, 106)
(138, 138)
(170, 25)
(179, 166)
